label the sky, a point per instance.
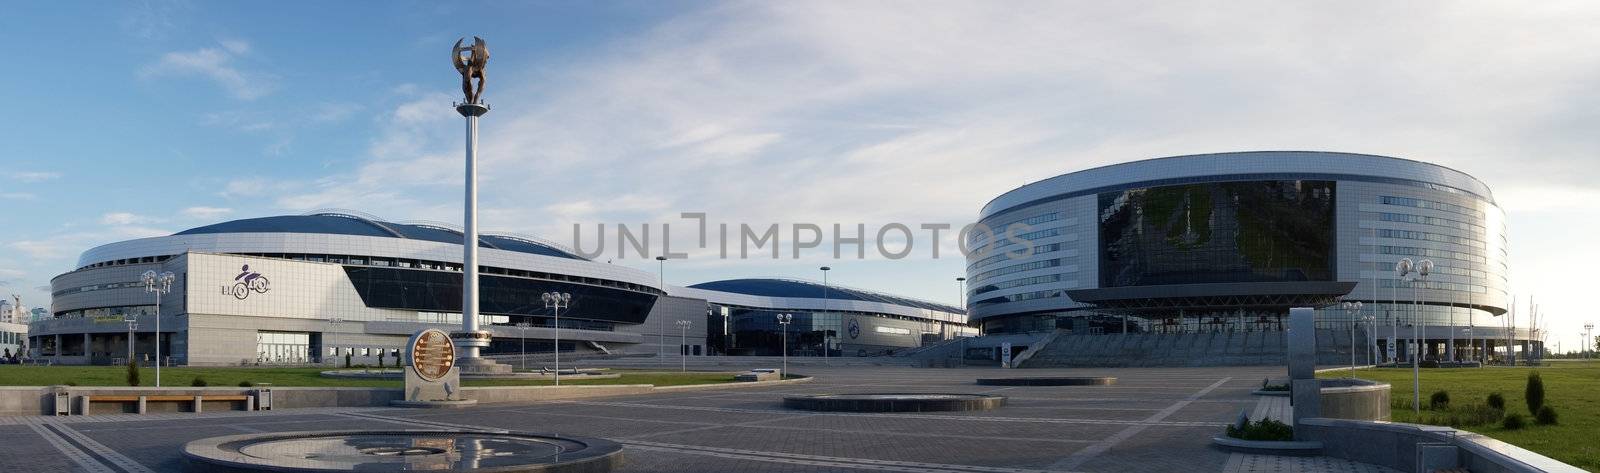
(142, 118)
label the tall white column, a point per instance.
(469, 234)
(471, 338)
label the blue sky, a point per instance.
(131, 119)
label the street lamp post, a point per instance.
(523, 357)
(961, 294)
(683, 343)
(133, 324)
(1472, 345)
(661, 282)
(158, 284)
(784, 320)
(556, 301)
(1421, 269)
(825, 307)
(1353, 308)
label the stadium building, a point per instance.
(316, 288)
(1228, 242)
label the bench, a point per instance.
(197, 399)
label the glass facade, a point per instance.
(757, 332)
(283, 347)
(1219, 232)
(440, 291)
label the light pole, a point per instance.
(784, 320)
(961, 294)
(158, 284)
(1353, 308)
(1369, 323)
(523, 357)
(661, 282)
(683, 343)
(1422, 268)
(825, 307)
(1588, 339)
(555, 301)
(133, 324)
(1472, 345)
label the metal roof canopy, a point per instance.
(1159, 301)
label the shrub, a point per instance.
(1497, 401)
(1478, 415)
(380, 359)
(1439, 400)
(346, 360)
(198, 382)
(1513, 421)
(246, 384)
(133, 373)
(1546, 416)
(1535, 392)
(1264, 429)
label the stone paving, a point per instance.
(1153, 419)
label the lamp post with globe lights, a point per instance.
(1354, 309)
(1421, 269)
(784, 320)
(522, 327)
(160, 285)
(557, 301)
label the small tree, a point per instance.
(346, 360)
(1546, 416)
(1535, 392)
(1497, 401)
(133, 373)
(380, 359)
(1439, 400)
(199, 382)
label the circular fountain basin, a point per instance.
(895, 402)
(395, 450)
(1050, 381)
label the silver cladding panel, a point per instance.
(1357, 216)
(357, 245)
(448, 252)
(809, 303)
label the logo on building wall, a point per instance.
(246, 282)
(855, 329)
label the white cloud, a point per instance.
(206, 213)
(17, 196)
(34, 176)
(125, 218)
(215, 64)
(45, 249)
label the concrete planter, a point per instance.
(1268, 447)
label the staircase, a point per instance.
(1187, 349)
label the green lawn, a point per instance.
(13, 375)
(1572, 388)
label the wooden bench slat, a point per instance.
(113, 398)
(169, 398)
(178, 398)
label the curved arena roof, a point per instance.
(357, 225)
(1246, 165)
(813, 290)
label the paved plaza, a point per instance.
(1157, 419)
